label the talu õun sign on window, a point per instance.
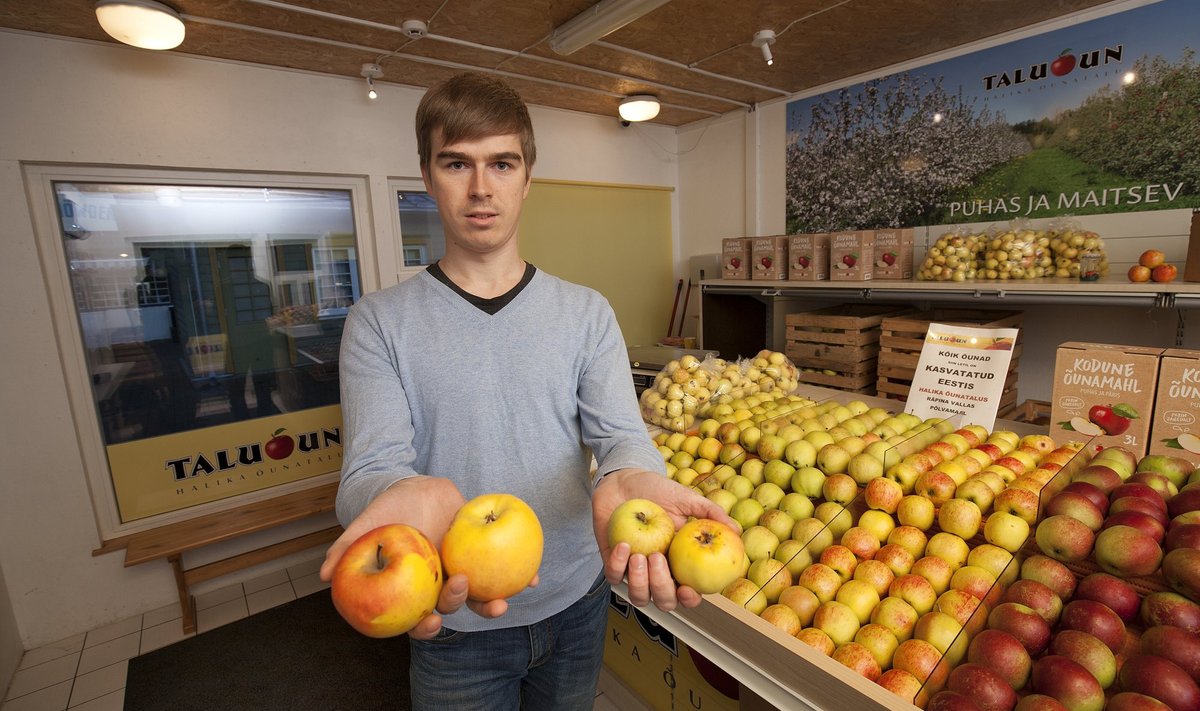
(1095, 118)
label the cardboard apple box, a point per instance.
(851, 255)
(894, 253)
(808, 257)
(1175, 429)
(1091, 374)
(1191, 268)
(735, 258)
(768, 258)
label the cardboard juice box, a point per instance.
(735, 258)
(894, 253)
(808, 257)
(1104, 395)
(1175, 430)
(851, 255)
(768, 258)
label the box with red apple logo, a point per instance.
(1175, 430)
(808, 257)
(768, 258)
(1104, 394)
(894, 253)
(735, 258)
(852, 255)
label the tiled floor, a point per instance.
(87, 671)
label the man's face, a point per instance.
(480, 186)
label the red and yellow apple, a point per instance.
(387, 581)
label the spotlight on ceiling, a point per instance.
(371, 72)
(141, 23)
(639, 107)
(763, 39)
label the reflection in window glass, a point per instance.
(205, 305)
(421, 228)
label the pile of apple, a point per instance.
(1152, 266)
(1069, 245)
(1010, 254)
(953, 257)
(688, 388)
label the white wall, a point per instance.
(10, 639)
(99, 104)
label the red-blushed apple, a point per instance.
(1037, 596)
(1156, 481)
(387, 581)
(965, 608)
(1142, 521)
(1142, 491)
(1183, 518)
(817, 639)
(960, 517)
(896, 615)
(913, 539)
(985, 687)
(803, 602)
(822, 580)
(1068, 682)
(706, 555)
(1112, 592)
(747, 594)
(1175, 469)
(1103, 477)
(1175, 645)
(783, 617)
(1078, 507)
(914, 590)
(1181, 570)
(1126, 552)
(1170, 608)
(644, 525)
(862, 541)
(1039, 702)
(947, 700)
(859, 659)
(897, 558)
(1088, 651)
(1161, 679)
(978, 581)
(1138, 503)
(1133, 701)
(879, 641)
(496, 541)
(900, 683)
(1093, 493)
(1022, 622)
(1054, 574)
(1185, 535)
(934, 569)
(841, 560)
(1004, 654)
(1064, 538)
(1188, 499)
(837, 620)
(1019, 502)
(1096, 619)
(883, 494)
(876, 574)
(922, 660)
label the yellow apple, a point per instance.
(917, 511)
(706, 555)
(861, 597)
(387, 581)
(643, 524)
(837, 620)
(496, 541)
(1006, 530)
(745, 593)
(949, 547)
(960, 517)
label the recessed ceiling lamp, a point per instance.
(141, 23)
(764, 39)
(371, 72)
(603, 18)
(639, 107)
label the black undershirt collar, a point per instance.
(488, 306)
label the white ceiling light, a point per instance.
(141, 23)
(764, 39)
(639, 107)
(597, 21)
(371, 72)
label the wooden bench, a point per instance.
(173, 540)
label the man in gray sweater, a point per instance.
(481, 375)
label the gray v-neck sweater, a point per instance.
(515, 402)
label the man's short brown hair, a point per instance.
(471, 106)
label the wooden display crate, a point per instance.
(902, 337)
(843, 339)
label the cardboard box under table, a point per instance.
(843, 340)
(903, 337)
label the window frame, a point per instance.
(394, 187)
(39, 179)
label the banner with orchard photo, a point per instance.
(1095, 118)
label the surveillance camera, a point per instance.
(624, 123)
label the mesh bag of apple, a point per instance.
(688, 387)
(952, 257)
(1069, 242)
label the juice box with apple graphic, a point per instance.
(768, 258)
(808, 257)
(851, 255)
(1175, 429)
(894, 253)
(735, 258)
(1104, 395)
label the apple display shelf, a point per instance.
(777, 667)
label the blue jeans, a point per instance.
(552, 665)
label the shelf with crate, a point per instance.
(839, 345)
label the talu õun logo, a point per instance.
(279, 446)
(1064, 64)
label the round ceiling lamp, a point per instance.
(639, 107)
(141, 23)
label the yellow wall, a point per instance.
(614, 239)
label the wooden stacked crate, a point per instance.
(841, 339)
(902, 338)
